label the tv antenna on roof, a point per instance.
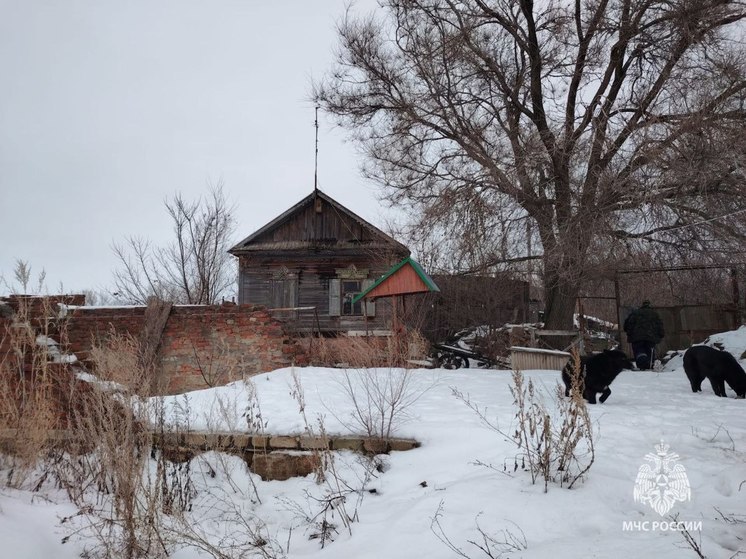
(316, 156)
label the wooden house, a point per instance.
(312, 261)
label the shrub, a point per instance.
(553, 445)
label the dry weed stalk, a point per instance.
(34, 383)
(368, 351)
(218, 498)
(574, 430)
(218, 365)
(380, 398)
(115, 417)
(503, 543)
(222, 417)
(692, 542)
(333, 505)
(552, 448)
(242, 535)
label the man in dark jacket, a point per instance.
(644, 330)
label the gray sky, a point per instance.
(107, 107)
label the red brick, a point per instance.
(246, 333)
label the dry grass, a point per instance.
(338, 504)
(381, 400)
(143, 503)
(115, 415)
(553, 445)
(368, 351)
(379, 392)
(33, 389)
(495, 544)
(132, 500)
(557, 449)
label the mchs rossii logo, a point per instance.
(662, 482)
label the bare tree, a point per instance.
(580, 126)
(195, 268)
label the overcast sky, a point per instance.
(107, 107)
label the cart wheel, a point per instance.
(451, 361)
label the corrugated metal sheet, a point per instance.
(528, 358)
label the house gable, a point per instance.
(318, 222)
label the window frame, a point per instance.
(346, 296)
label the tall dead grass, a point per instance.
(555, 443)
(133, 502)
(144, 503)
(33, 388)
(112, 447)
(368, 351)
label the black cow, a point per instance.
(597, 373)
(702, 362)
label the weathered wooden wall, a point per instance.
(291, 282)
(328, 226)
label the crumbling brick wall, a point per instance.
(200, 345)
(35, 392)
(234, 340)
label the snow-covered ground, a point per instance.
(597, 518)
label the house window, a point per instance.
(342, 290)
(350, 290)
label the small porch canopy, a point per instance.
(404, 278)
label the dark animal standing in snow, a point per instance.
(702, 362)
(597, 372)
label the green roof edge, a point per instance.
(427, 280)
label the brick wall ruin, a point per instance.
(199, 345)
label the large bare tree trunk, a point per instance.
(566, 249)
(597, 121)
(559, 306)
